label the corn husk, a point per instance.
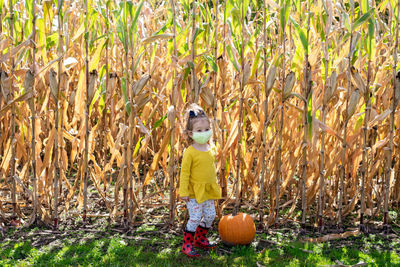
(112, 81)
(53, 83)
(112, 84)
(5, 84)
(137, 88)
(372, 114)
(29, 80)
(289, 83)
(353, 102)
(358, 81)
(171, 113)
(28, 84)
(92, 81)
(306, 79)
(142, 99)
(207, 96)
(246, 73)
(330, 88)
(397, 88)
(270, 79)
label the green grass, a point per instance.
(164, 250)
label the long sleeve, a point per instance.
(185, 174)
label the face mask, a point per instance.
(202, 137)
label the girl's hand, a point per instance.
(186, 199)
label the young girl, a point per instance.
(198, 182)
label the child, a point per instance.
(198, 182)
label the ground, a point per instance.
(151, 243)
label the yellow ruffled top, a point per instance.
(198, 177)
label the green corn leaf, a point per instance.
(256, 60)
(203, 11)
(197, 32)
(121, 33)
(345, 17)
(47, 13)
(255, 4)
(364, 6)
(93, 19)
(159, 122)
(228, 9)
(137, 13)
(284, 12)
(232, 58)
(137, 62)
(365, 17)
(137, 146)
(300, 32)
(236, 15)
(28, 28)
(51, 40)
(94, 62)
(210, 60)
(370, 38)
(28, 7)
(95, 97)
(191, 65)
(165, 27)
(127, 103)
(246, 6)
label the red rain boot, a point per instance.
(200, 239)
(187, 247)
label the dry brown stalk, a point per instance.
(307, 87)
(268, 83)
(171, 117)
(329, 89)
(389, 149)
(11, 96)
(193, 82)
(55, 88)
(87, 104)
(351, 103)
(278, 156)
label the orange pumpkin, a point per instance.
(237, 230)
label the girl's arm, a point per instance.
(185, 174)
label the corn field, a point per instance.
(302, 94)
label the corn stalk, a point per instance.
(221, 61)
(367, 99)
(278, 156)
(30, 81)
(86, 171)
(193, 82)
(389, 150)
(172, 121)
(328, 91)
(347, 116)
(239, 140)
(57, 107)
(11, 97)
(307, 87)
(105, 108)
(268, 84)
(214, 104)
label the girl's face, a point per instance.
(200, 125)
(201, 132)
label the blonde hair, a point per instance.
(193, 113)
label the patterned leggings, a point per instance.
(200, 214)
